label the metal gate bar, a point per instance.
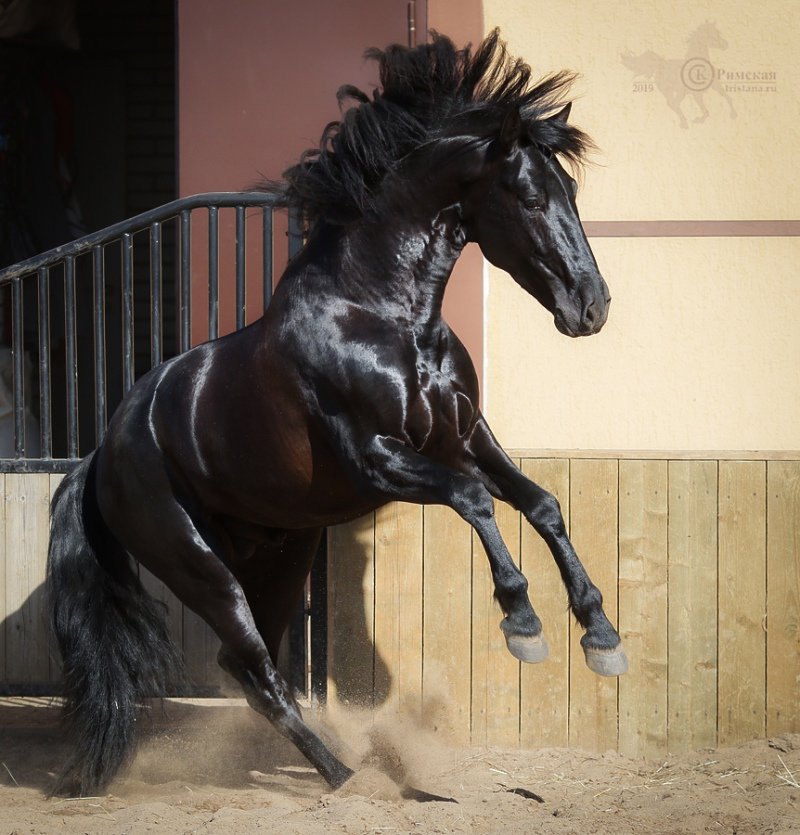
(59, 275)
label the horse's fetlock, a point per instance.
(512, 595)
(517, 585)
(592, 598)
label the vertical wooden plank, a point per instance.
(783, 597)
(200, 648)
(351, 612)
(27, 524)
(54, 657)
(544, 688)
(692, 630)
(593, 517)
(5, 549)
(643, 606)
(742, 600)
(484, 611)
(485, 617)
(446, 622)
(398, 608)
(495, 672)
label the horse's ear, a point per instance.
(511, 130)
(562, 114)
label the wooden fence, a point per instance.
(698, 558)
(28, 661)
(699, 561)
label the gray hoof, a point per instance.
(531, 649)
(606, 662)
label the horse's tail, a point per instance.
(112, 635)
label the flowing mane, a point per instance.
(426, 92)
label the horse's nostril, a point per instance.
(593, 316)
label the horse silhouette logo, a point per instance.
(693, 75)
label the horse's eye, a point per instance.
(533, 204)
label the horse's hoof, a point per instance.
(410, 793)
(606, 662)
(532, 649)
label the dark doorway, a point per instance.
(87, 138)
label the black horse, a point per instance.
(221, 467)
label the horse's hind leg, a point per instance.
(273, 580)
(201, 580)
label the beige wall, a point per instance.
(702, 346)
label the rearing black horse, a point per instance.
(222, 466)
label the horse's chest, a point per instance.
(439, 413)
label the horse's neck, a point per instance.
(406, 267)
(698, 45)
(417, 237)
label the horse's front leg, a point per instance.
(400, 473)
(601, 642)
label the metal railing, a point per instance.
(137, 290)
(115, 303)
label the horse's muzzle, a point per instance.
(587, 320)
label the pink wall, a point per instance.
(462, 20)
(257, 83)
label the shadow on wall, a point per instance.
(400, 629)
(356, 669)
(29, 659)
(30, 663)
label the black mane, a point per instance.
(423, 91)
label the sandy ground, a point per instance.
(212, 769)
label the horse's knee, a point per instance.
(472, 501)
(546, 516)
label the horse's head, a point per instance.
(521, 211)
(705, 37)
(465, 129)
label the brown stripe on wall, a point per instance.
(692, 228)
